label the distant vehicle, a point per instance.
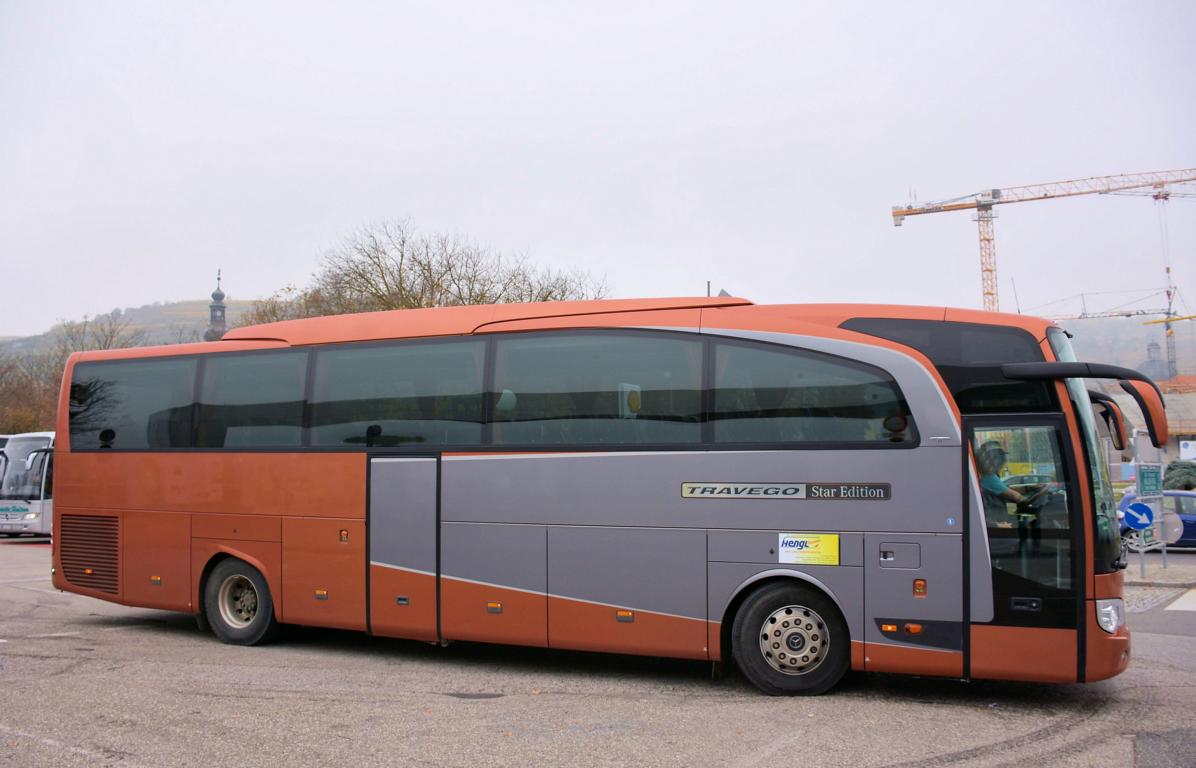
(1182, 503)
(27, 484)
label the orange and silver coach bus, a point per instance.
(805, 489)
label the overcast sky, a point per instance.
(759, 146)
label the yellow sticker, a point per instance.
(808, 548)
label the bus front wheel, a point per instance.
(790, 639)
(238, 605)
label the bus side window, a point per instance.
(410, 393)
(771, 394)
(597, 388)
(252, 400)
(137, 404)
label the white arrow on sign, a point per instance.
(1143, 520)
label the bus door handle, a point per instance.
(1032, 604)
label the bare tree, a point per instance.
(390, 266)
(30, 384)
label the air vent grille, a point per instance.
(89, 551)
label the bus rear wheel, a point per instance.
(790, 639)
(238, 605)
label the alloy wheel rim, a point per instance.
(238, 601)
(794, 640)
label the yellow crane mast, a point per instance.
(982, 202)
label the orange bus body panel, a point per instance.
(522, 617)
(858, 657)
(1108, 585)
(883, 657)
(1021, 653)
(156, 570)
(282, 484)
(582, 626)
(1107, 654)
(416, 618)
(237, 527)
(323, 572)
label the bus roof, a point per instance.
(450, 321)
(460, 321)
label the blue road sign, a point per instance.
(1139, 516)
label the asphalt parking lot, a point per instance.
(84, 682)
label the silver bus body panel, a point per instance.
(613, 528)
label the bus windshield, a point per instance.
(1108, 541)
(16, 482)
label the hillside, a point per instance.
(161, 322)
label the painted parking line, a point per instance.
(1186, 602)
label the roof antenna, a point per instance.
(708, 289)
(722, 294)
(1016, 301)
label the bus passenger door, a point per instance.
(402, 521)
(1024, 470)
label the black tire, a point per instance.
(237, 604)
(813, 645)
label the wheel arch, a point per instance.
(761, 580)
(223, 553)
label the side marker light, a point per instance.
(494, 606)
(625, 616)
(321, 594)
(913, 629)
(919, 587)
(888, 627)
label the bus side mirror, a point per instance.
(1153, 410)
(1110, 412)
(32, 457)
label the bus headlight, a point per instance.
(1110, 614)
(30, 516)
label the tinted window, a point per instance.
(412, 393)
(16, 482)
(597, 388)
(969, 357)
(252, 401)
(132, 404)
(767, 394)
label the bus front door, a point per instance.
(1022, 468)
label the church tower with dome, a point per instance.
(216, 326)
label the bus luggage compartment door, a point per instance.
(402, 530)
(628, 590)
(913, 603)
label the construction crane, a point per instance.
(982, 202)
